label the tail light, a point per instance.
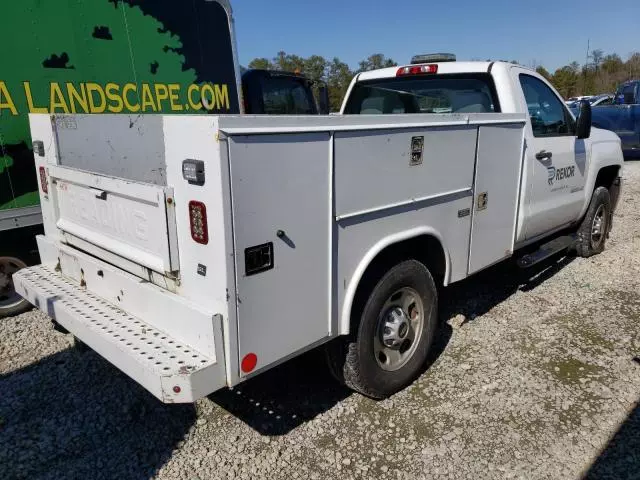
(416, 70)
(198, 222)
(44, 184)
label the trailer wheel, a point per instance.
(395, 332)
(595, 226)
(11, 303)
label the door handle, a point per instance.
(544, 155)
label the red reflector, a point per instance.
(249, 362)
(198, 222)
(416, 70)
(43, 180)
(177, 389)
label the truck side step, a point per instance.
(547, 250)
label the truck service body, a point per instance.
(195, 252)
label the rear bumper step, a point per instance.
(170, 370)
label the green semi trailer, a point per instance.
(115, 56)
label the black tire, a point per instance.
(17, 246)
(588, 242)
(354, 361)
(10, 302)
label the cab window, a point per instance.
(424, 94)
(549, 116)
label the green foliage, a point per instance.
(565, 80)
(288, 63)
(315, 67)
(261, 64)
(544, 72)
(375, 62)
(5, 163)
(339, 77)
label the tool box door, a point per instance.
(281, 208)
(499, 160)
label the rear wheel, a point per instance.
(11, 303)
(395, 333)
(595, 226)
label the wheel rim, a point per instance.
(8, 295)
(399, 329)
(598, 226)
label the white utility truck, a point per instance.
(194, 252)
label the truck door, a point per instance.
(556, 159)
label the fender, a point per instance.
(604, 151)
(372, 253)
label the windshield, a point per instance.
(424, 94)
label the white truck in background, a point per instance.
(196, 252)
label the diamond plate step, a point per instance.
(170, 370)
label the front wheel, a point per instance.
(595, 226)
(11, 303)
(395, 332)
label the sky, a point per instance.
(543, 32)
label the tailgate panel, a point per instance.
(132, 220)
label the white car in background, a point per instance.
(575, 101)
(600, 100)
(595, 101)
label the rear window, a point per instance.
(424, 94)
(286, 96)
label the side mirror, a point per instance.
(323, 98)
(583, 128)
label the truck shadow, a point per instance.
(281, 399)
(73, 415)
(620, 459)
(478, 294)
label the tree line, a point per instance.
(601, 74)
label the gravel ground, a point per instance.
(533, 377)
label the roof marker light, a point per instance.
(433, 58)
